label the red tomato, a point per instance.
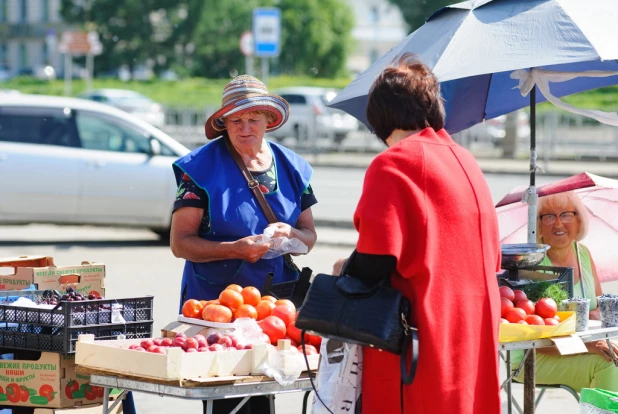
(192, 309)
(293, 332)
(502, 320)
(551, 321)
(546, 308)
(526, 305)
(273, 327)
(505, 306)
(522, 322)
(25, 395)
(534, 320)
(47, 390)
(285, 313)
(71, 386)
(90, 392)
(292, 341)
(519, 295)
(515, 315)
(13, 392)
(309, 349)
(507, 292)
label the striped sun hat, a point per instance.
(245, 93)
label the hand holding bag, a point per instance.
(348, 309)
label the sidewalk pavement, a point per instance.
(490, 163)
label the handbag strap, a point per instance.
(254, 186)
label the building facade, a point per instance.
(28, 35)
(379, 27)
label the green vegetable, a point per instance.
(37, 399)
(537, 290)
(3, 397)
(31, 391)
(78, 394)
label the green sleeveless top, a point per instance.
(587, 292)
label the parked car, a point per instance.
(131, 102)
(310, 117)
(73, 161)
(494, 130)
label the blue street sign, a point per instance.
(267, 32)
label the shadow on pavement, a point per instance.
(66, 244)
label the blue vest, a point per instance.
(235, 213)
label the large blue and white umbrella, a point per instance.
(475, 47)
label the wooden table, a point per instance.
(594, 333)
(207, 389)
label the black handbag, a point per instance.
(347, 309)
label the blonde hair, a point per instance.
(561, 201)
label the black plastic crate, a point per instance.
(63, 340)
(295, 291)
(73, 314)
(553, 274)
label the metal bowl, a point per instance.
(524, 255)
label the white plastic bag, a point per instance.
(285, 366)
(339, 377)
(281, 245)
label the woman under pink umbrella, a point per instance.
(562, 222)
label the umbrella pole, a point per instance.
(531, 196)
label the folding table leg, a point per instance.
(305, 398)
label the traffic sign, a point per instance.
(267, 31)
(80, 43)
(246, 43)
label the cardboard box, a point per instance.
(18, 273)
(91, 409)
(175, 364)
(51, 373)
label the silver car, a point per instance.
(72, 161)
(311, 118)
(129, 101)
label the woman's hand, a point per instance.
(251, 249)
(595, 314)
(600, 347)
(283, 230)
(338, 266)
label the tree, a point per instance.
(215, 51)
(131, 31)
(315, 36)
(415, 12)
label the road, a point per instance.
(138, 264)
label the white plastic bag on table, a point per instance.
(339, 377)
(598, 401)
(281, 245)
(285, 366)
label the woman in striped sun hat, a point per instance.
(217, 222)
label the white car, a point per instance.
(129, 101)
(73, 161)
(311, 118)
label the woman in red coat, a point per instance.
(426, 218)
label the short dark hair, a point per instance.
(405, 96)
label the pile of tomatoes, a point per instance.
(276, 317)
(516, 308)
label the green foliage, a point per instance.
(415, 12)
(201, 37)
(537, 290)
(193, 92)
(131, 31)
(316, 36)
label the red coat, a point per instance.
(426, 202)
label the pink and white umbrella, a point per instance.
(600, 197)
